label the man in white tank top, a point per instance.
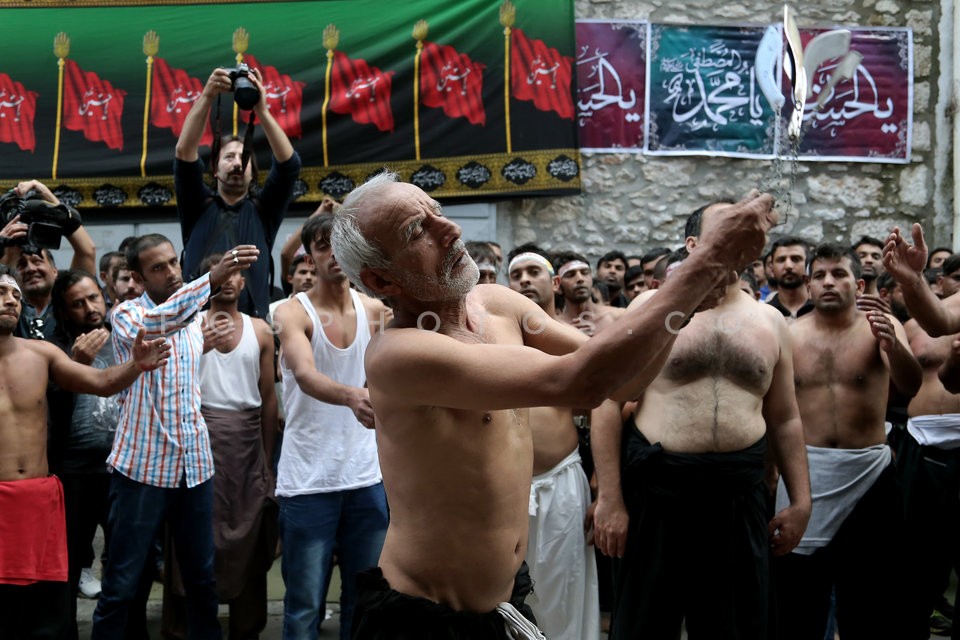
(328, 481)
(239, 404)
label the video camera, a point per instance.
(46, 223)
(245, 93)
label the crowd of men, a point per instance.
(764, 445)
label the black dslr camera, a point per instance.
(46, 223)
(245, 93)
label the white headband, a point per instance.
(533, 257)
(486, 266)
(6, 278)
(573, 264)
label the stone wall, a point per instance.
(635, 202)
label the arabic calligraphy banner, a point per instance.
(703, 97)
(869, 117)
(475, 101)
(611, 84)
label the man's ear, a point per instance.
(137, 277)
(377, 281)
(690, 243)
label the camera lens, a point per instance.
(245, 93)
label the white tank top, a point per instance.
(231, 380)
(325, 448)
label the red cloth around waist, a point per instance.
(33, 531)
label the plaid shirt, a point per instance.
(161, 435)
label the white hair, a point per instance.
(352, 249)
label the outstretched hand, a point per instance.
(902, 260)
(150, 354)
(237, 259)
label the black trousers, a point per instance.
(872, 585)
(39, 611)
(930, 478)
(697, 546)
(86, 502)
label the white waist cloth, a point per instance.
(562, 565)
(518, 627)
(838, 479)
(942, 431)
(547, 479)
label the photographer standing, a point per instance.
(34, 264)
(216, 221)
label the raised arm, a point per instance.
(79, 378)
(427, 368)
(276, 138)
(188, 145)
(298, 354)
(905, 262)
(905, 372)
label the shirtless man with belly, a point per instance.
(448, 377)
(698, 538)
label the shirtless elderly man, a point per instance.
(34, 594)
(693, 477)
(448, 376)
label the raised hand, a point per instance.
(903, 260)
(87, 345)
(150, 354)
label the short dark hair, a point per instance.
(937, 250)
(790, 241)
(141, 244)
(561, 258)
(633, 273)
(207, 263)
(695, 219)
(106, 259)
(610, 256)
(480, 251)
(653, 254)
(316, 227)
(886, 281)
(951, 264)
(527, 247)
(66, 279)
(747, 276)
(835, 251)
(297, 259)
(869, 240)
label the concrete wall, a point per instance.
(635, 202)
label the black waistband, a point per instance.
(650, 466)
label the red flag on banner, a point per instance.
(92, 105)
(17, 109)
(284, 96)
(172, 96)
(539, 73)
(452, 80)
(361, 91)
